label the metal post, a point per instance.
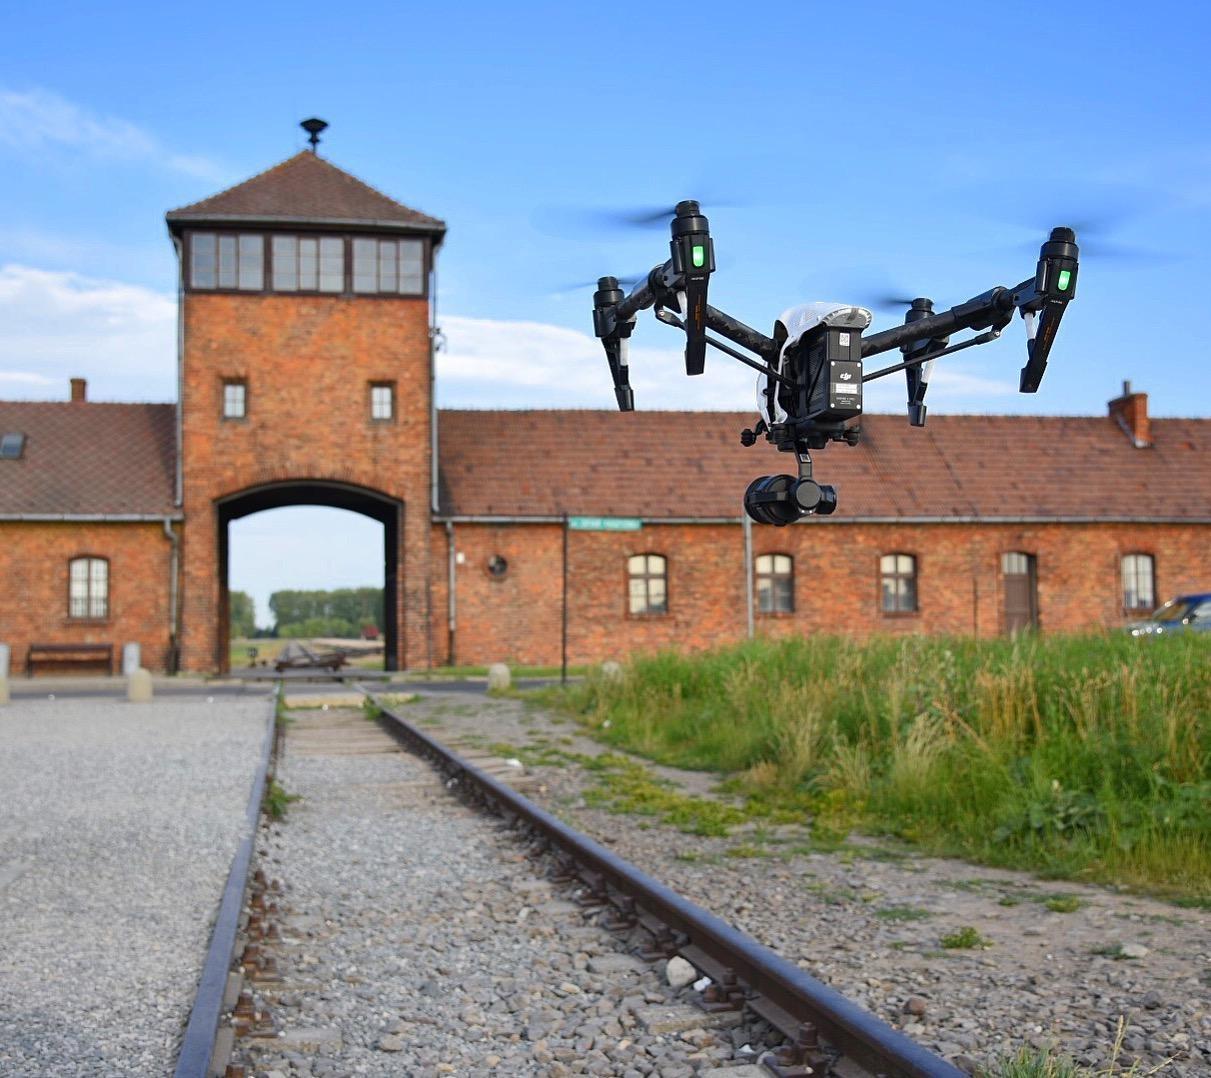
(747, 525)
(451, 602)
(563, 649)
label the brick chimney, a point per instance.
(79, 391)
(1130, 412)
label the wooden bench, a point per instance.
(75, 654)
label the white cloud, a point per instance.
(489, 363)
(54, 326)
(35, 120)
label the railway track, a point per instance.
(824, 1032)
(820, 1025)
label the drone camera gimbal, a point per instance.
(812, 366)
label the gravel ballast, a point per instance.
(1054, 965)
(417, 939)
(118, 826)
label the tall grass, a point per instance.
(1079, 756)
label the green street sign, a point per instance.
(604, 524)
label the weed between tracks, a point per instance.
(1078, 757)
(1042, 1063)
(277, 800)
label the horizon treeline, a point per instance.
(296, 613)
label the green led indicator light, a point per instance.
(699, 255)
(1064, 280)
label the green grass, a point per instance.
(1077, 757)
(277, 800)
(963, 939)
(902, 913)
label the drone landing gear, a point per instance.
(783, 499)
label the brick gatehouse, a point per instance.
(305, 367)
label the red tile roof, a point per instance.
(691, 464)
(83, 459)
(307, 189)
(119, 459)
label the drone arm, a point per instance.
(663, 281)
(988, 309)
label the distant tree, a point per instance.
(350, 607)
(310, 627)
(243, 621)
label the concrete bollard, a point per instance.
(611, 671)
(131, 659)
(138, 686)
(5, 656)
(499, 677)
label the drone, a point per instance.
(810, 371)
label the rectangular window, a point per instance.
(285, 263)
(382, 400)
(11, 445)
(226, 261)
(235, 399)
(898, 583)
(309, 263)
(332, 264)
(775, 584)
(88, 588)
(648, 584)
(394, 267)
(1139, 588)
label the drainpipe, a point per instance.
(179, 476)
(433, 335)
(174, 566)
(451, 605)
(747, 525)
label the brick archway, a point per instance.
(386, 510)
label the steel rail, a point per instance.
(198, 1042)
(801, 998)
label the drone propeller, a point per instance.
(625, 283)
(560, 220)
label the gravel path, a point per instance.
(417, 939)
(869, 919)
(118, 827)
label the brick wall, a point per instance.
(960, 586)
(308, 362)
(33, 567)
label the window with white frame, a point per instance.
(1139, 582)
(235, 398)
(898, 583)
(308, 264)
(775, 583)
(648, 583)
(88, 588)
(222, 260)
(395, 267)
(382, 400)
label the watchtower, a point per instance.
(305, 373)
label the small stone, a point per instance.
(678, 972)
(1152, 1000)
(390, 1043)
(915, 1005)
(1133, 950)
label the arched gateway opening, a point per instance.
(386, 510)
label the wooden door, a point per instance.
(1021, 592)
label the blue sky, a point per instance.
(839, 152)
